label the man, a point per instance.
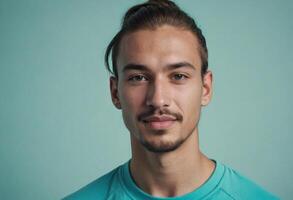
(160, 82)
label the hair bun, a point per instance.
(163, 3)
(149, 5)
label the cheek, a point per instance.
(131, 98)
(189, 100)
(189, 97)
(131, 101)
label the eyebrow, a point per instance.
(169, 67)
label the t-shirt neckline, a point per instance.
(206, 188)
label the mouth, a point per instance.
(159, 122)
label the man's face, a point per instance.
(160, 89)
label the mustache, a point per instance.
(163, 111)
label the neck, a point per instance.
(170, 174)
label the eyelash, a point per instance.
(139, 77)
(132, 78)
(179, 74)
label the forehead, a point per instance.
(158, 47)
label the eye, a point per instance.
(179, 77)
(137, 78)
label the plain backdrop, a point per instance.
(60, 131)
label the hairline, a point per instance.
(153, 28)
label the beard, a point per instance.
(163, 146)
(166, 146)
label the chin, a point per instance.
(162, 147)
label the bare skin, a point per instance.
(160, 92)
(171, 174)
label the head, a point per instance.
(160, 75)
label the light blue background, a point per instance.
(59, 130)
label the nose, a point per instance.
(158, 94)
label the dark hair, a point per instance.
(150, 15)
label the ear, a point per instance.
(207, 89)
(114, 92)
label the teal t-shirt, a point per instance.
(223, 184)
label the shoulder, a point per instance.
(97, 189)
(240, 187)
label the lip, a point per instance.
(159, 122)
